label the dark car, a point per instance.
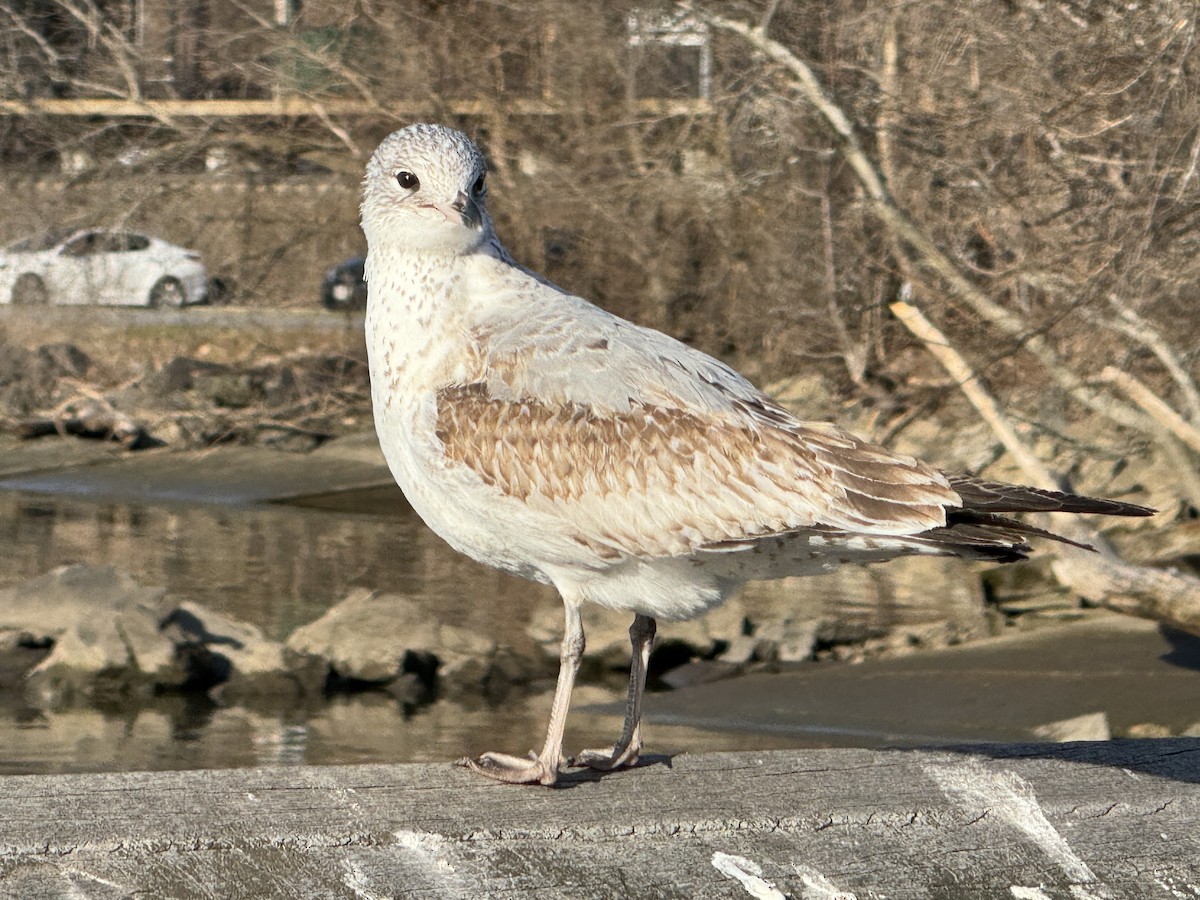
(344, 286)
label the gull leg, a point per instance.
(625, 751)
(544, 767)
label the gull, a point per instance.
(542, 435)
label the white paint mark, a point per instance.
(357, 882)
(1011, 799)
(1028, 893)
(1175, 888)
(431, 847)
(818, 887)
(74, 877)
(748, 874)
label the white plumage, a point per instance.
(540, 434)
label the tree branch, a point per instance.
(1153, 405)
(927, 253)
(1101, 577)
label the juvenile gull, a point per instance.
(542, 435)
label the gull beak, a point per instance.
(468, 209)
(463, 210)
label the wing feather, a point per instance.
(641, 446)
(647, 447)
(658, 481)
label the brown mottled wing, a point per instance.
(654, 480)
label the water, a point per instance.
(273, 565)
(278, 567)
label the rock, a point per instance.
(741, 649)
(61, 360)
(1147, 730)
(229, 390)
(1026, 588)
(375, 639)
(699, 671)
(279, 386)
(235, 659)
(92, 633)
(185, 430)
(15, 363)
(906, 639)
(787, 640)
(288, 438)
(607, 635)
(100, 626)
(1089, 727)
(20, 392)
(29, 378)
(180, 374)
(20, 652)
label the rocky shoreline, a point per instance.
(94, 635)
(91, 634)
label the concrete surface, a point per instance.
(1079, 821)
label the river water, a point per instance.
(279, 566)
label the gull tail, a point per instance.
(977, 530)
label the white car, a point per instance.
(105, 268)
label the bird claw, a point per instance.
(510, 769)
(605, 760)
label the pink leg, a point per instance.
(625, 751)
(544, 767)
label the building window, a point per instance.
(673, 56)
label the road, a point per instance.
(210, 316)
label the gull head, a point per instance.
(425, 191)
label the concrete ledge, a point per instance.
(1099, 820)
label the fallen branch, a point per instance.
(1129, 323)
(1102, 577)
(90, 417)
(968, 382)
(1154, 406)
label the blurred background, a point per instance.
(1040, 172)
(643, 157)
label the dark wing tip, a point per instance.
(979, 495)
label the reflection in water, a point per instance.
(372, 728)
(279, 567)
(274, 566)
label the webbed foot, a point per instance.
(605, 760)
(529, 769)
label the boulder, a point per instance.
(29, 378)
(1088, 727)
(54, 361)
(375, 639)
(607, 636)
(101, 628)
(850, 613)
(181, 373)
(233, 660)
(93, 633)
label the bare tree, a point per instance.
(1171, 597)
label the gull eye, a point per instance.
(477, 187)
(408, 181)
